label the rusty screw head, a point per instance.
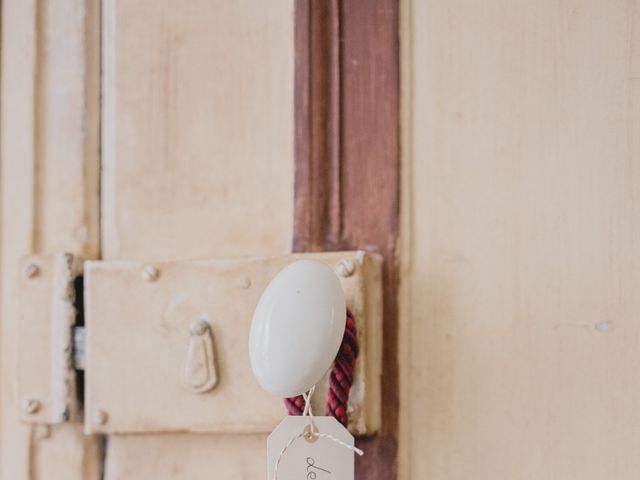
(31, 406)
(150, 273)
(100, 417)
(31, 270)
(346, 268)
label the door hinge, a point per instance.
(49, 295)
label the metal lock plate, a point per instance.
(167, 344)
(46, 380)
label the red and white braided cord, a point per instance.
(341, 377)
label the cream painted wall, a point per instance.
(521, 240)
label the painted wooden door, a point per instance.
(50, 199)
(166, 130)
(521, 250)
(197, 162)
(153, 131)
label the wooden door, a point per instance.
(172, 130)
(153, 131)
(520, 248)
(197, 157)
(49, 198)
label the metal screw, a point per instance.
(31, 270)
(31, 406)
(198, 327)
(346, 268)
(150, 273)
(100, 417)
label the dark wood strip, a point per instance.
(347, 162)
(317, 120)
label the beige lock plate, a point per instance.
(146, 361)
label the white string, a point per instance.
(313, 431)
(289, 443)
(338, 441)
(307, 404)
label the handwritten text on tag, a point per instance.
(320, 459)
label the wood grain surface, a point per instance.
(347, 162)
(197, 163)
(49, 198)
(523, 240)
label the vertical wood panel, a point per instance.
(17, 104)
(198, 162)
(49, 192)
(318, 125)
(525, 266)
(197, 133)
(347, 168)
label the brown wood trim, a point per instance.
(317, 120)
(347, 162)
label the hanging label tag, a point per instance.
(326, 456)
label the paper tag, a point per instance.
(322, 459)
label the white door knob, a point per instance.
(297, 328)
